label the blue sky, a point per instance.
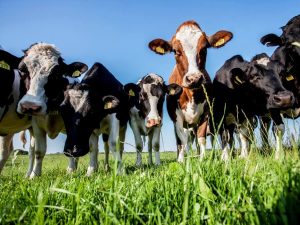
(116, 33)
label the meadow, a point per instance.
(258, 190)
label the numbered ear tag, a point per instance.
(108, 105)
(220, 42)
(172, 92)
(131, 93)
(289, 77)
(160, 50)
(237, 80)
(4, 65)
(76, 73)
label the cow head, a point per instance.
(290, 37)
(150, 95)
(82, 111)
(47, 73)
(189, 45)
(261, 77)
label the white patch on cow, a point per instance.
(77, 98)
(279, 131)
(193, 111)
(244, 145)
(40, 59)
(181, 154)
(263, 61)
(225, 153)
(189, 36)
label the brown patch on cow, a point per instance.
(201, 132)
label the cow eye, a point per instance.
(177, 53)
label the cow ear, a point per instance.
(271, 40)
(220, 38)
(237, 76)
(160, 46)
(76, 69)
(110, 102)
(131, 89)
(173, 90)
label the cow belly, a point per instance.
(193, 112)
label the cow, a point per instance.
(146, 113)
(288, 54)
(12, 88)
(242, 91)
(190, 112)
(48, 77)
(82, 117)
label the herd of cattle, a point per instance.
(41, 93)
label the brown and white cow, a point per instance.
(190, 111)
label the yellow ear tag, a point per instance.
(289, 77)
(4, 65)
(108, 105)
(131, 93)
(76, 73)
(238, 80)
(172, 92)
(160, 50)
(219, 42)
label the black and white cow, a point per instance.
(288, 54)
(12, 88)
(81, 111)
(146, 114)
(244, 90)
(49, 77)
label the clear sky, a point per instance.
(116, 33)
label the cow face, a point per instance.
(47, 72)
(151, 96)
(262, 77)
(190, 45)
(82, 111)
(290, 37)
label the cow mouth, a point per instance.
(75, 151)
(282, 100)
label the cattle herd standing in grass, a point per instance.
(40, 92)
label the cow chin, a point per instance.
(75, 151)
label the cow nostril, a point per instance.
(277, 98)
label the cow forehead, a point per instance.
(152, 78)
(78, 98)
(263, 61)
(41, 55)
(188, 35)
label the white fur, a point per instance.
(244, 145)
(202, 143)
(189, 37)
(77, 98)
(263, 61)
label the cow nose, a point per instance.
(284, 99)
(30, 108)
(153, 122)
(193, 79)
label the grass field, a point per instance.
(258, 190)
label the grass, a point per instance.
(259, 190)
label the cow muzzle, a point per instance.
(30, 108)
(75, 151)
(284, 99)
(150, 122)
(193, 80)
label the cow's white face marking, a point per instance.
(263, 61)
(40, 59)
(193, 111)
(77, 98)
(189, 37)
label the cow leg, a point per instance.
(244, 139)
(138, 141)
(150, 138)
(156, 144)
(93, 167)
(201, 135)
(31, 153)
(40, 150)
(122, 135)
(106, 152)
(226, 140)
(113, 140)
(265, 123)
(278, 131)
(6, 148)
(73, 164)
